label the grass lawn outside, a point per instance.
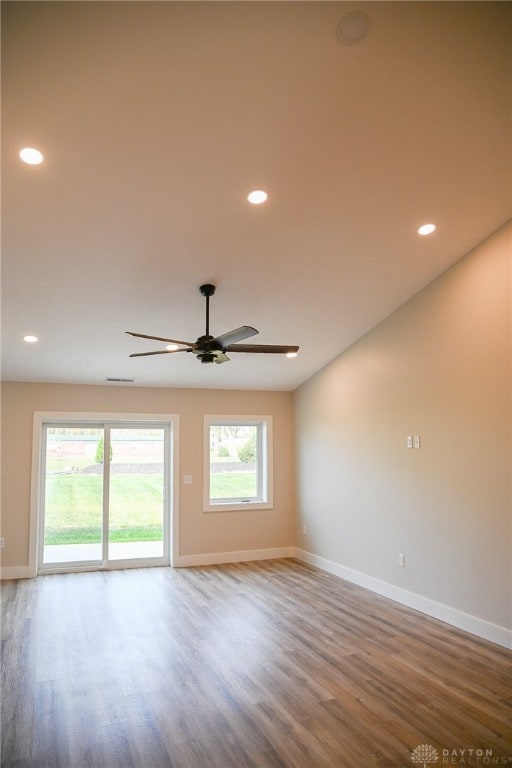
(233, 485)
(94, 535)
(74, 504)
(74, 508)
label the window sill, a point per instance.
(238, 506)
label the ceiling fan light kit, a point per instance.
(212, 349)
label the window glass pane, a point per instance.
(136, 493)
(234, 462)
(73, 498)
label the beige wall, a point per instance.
(439, 367)
(200, 533)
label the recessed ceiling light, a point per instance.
(291, 354)
(172, 347)
(30, 339)
(257, 196)
(426, 229)
(31, 156)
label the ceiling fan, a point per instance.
(212, 349)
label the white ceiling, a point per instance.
(157, 118)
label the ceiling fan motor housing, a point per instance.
(206, 349)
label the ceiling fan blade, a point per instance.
(278, 349)
(221, 358)
(159, 338)
(231, 337)
(160, 352)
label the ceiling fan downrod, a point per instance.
(206, 290)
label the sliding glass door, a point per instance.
(137, 493)
(105, 500)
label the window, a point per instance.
(238, 462)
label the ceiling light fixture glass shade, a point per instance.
(426, 229)
(31, 156)
(257, 197)
(30, 339)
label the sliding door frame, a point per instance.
(112, 420)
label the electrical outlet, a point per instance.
(2, 543)
(417, 441)
(409, 441)
(401, 560)
(305, 530)
(187, 479)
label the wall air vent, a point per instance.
(122, 381)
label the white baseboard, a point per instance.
(15, 572)
(459, 619)
(242, 556)
(183, 561)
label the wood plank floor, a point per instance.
(248, 665)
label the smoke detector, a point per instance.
(353, 28)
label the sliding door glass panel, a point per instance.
(136, 493)
(73, 495)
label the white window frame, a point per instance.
(265, 463)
